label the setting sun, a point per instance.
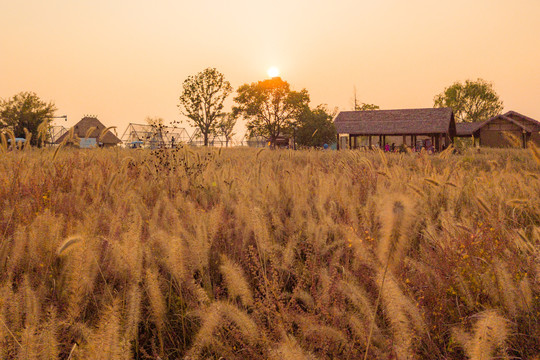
(273, 72)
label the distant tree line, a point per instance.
(270, 107)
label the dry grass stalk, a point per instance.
(48, 338)
(218, 316)
(289, 349)
(106, 342)
(156, 298)
(396, 219)
(488, 339)
(535, 152)
(235, 281)
(407, 323)
(70, 241)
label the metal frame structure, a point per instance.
(154, 137)
(198, 140)
(55, 132)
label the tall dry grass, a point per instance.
(242, 253)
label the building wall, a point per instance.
(493, 134)
(535, 138)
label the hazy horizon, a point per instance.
(126, 60)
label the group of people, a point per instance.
(424, 146)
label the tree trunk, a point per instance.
(206, 138)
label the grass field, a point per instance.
(258, 254)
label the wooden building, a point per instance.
(409, 126)
(87, 133)
(507, 130)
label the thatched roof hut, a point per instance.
(436, 123)
(91, 128)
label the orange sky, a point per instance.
(125, 60)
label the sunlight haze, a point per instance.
(126, 60)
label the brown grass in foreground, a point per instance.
(257, 254)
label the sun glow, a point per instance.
(273, 72)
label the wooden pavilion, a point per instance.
(409, 125)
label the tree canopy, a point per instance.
(472, 101)
(202, 100)
(226, 126)
(270, 107)
(26, 110)
(315, 127)
(361, 106)
(365, 106)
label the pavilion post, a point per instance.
(337, 141)
(369, 137)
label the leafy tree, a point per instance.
(202, 100)
(365, 106)
(226, 126)
(358, 106)
(270, 107)
(472, 101)
(315, 127)
(26, 110)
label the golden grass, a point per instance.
(488, 340)
(258, 254)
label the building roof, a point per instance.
(396, 122)
(82, 127)
(464, 129)
(525, 122)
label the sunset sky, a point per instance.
(125, 60)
